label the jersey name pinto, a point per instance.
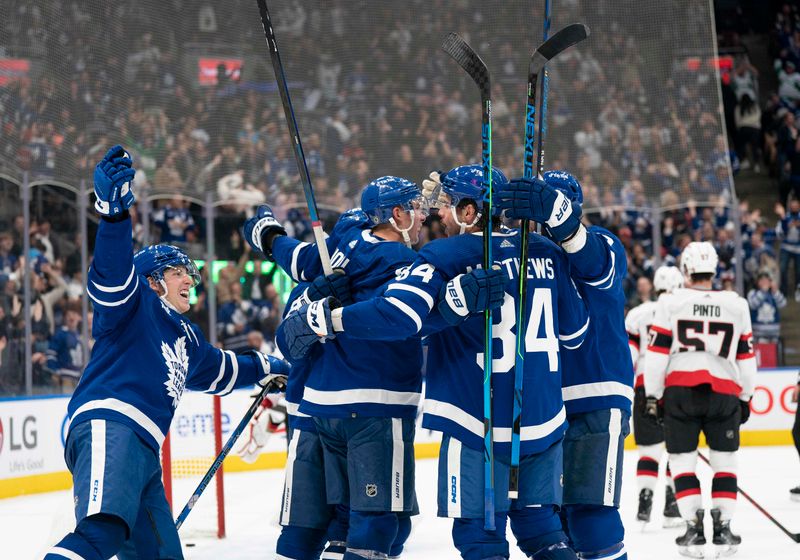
(637, 324)
(382, 379)
(599, 374)
(454, 373)
(699, 337)
(145, 353)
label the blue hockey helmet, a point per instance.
(465, 182)
(381, 195)
(153, 260)
(566, 183)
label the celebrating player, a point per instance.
(598, 376)
(454, 375)
(699, 376)
(144, 357)
(649, 435)
(364, 416)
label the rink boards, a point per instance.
(32, 432)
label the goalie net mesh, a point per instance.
(194, 441)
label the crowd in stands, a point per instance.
(118, 73)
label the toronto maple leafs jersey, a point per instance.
(298, 374)
(454, 372)
(701, 337)
(599, 374)
(637, 325)
(146, 353)
(65, 353)
(381, 379)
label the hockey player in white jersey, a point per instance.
(144, 357)
(699, 376)
(649, 435)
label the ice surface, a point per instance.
(29, 525)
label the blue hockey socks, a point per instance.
(539, 533)
(371, 535)
(96, 537)
(300, 543)
(476, 543)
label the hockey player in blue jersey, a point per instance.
(364, 415)
(598, 376)
(454, 374)
(144, 357)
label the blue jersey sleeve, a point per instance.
(601, 262)
(401, 310)
(573, 317)
(112, 283)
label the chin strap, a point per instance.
(163, 298)
(462, 226)
(404, 232)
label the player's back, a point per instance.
(454, 375)
(379, 378)
(637, 323)
(708, 330)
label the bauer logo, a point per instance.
(371, 490)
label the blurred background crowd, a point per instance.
(658, 175)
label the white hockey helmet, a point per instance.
(667, 278)
(699, 257)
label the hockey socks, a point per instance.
(371, 535)
(95, 538)
(300, 543)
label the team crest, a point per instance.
(177, 361)
(372, 490)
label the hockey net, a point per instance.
(194, 441)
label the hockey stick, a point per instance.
(223, 453)
(472, 64)
(565, 38)
(299, 155)
(794, 536)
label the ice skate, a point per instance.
(672, 516)
(725, 542)
(693, 542)
(794, 494)
(645, 505)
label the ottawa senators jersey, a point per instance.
(701, 337)
(637, 324)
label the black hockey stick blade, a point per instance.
(469, 60)
(562, 40)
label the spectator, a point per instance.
(765, 300)
(788, 231)
(748, 132)
(175, 222)
(65, 355)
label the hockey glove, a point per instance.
(269, 419)
(112, 183)
(308, 325)
(533, 199)
(336, 285)
(653, 409)
(745, 408)
(261, 229)
(432, 188)
(472, 292)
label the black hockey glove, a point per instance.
(336, 285)
(745, 408)
(653, 409)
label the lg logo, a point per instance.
(25, 436)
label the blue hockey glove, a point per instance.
(273, 370)
(534, 199)
(261, 229)
(472, 292)
(336, 285)
(112, 182)
(308, 325)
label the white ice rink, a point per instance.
(29, 525)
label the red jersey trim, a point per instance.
(701, 377)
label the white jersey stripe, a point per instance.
(453, 478)
(293, 266)
(220, 375)
(98, 467)
(407, 310)
(609, 277)
(234, 374)
(286, 509)
(614, 430)
(356, 396)
(293, 409)
(115, 303)
(68, 554)
(576, 334)
(398, 451)
(414, 290)
(127, 410)
(111, 289)
(599, 389)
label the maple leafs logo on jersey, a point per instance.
(177, 361)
